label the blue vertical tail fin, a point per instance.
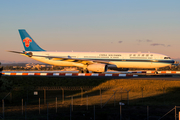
(28, 43)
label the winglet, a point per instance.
(28, 43)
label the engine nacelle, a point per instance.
(97, 67)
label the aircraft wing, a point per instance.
(76, 60)
(83, 61)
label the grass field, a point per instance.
(166, 90)
(142, 92)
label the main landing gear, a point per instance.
(83, 71)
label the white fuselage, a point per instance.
(119, 59)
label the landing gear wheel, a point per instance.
(156, 72)
(86, 71)
(81, 71)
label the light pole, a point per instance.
(120, 103)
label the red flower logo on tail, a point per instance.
(27, 41)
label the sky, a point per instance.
(91, 25)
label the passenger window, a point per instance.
(134, 55)
(142, 54)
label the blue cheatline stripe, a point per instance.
(135, 60)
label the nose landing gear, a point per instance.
(156, 71)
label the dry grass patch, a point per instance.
(150, 88)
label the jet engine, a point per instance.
(97, 67)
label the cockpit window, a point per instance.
(167, 58)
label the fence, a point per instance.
(65, 94)
(72, 101)
(101, 94)
(93, 112)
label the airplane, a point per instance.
(97, 62)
